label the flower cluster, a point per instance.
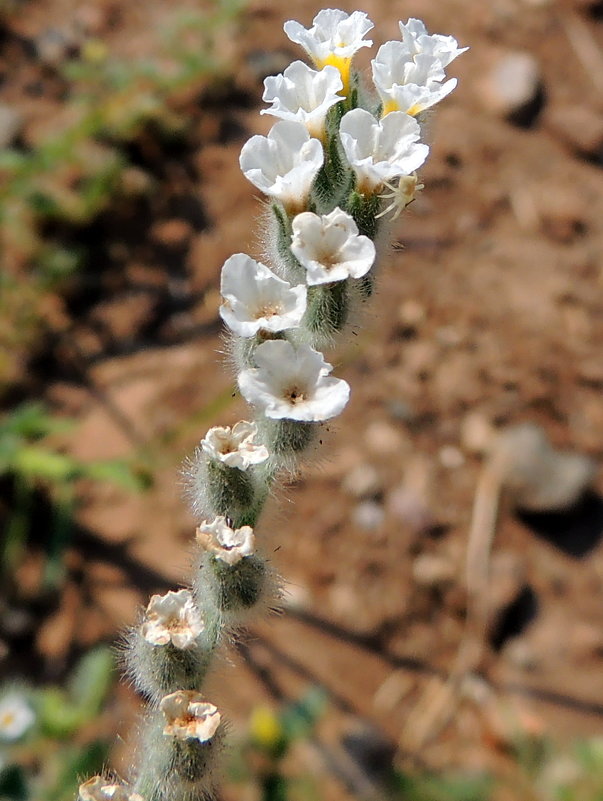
(324, 166)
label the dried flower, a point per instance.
(99, 789)
(293, 383)
(174, 618)
(189, 717)
(225, 543)
(330, 247)
(256, 299)
(234, 446)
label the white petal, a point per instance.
(292, 382)
(330, 248)
(284, 163)
(381, 150)
(255, 298)
(303, 94)
(333, 32)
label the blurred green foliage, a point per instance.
(30, 462)
(66, 737)
(80, 164)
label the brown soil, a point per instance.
(487, 311)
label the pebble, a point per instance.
(383, 438)
(407, 505)
(579, 127)
(368, 515)
(451, 457)
(431, 570)
(512, 84)
(362, 482)
(54, 46)
(11, 124)
(173, 233)
(477, 433)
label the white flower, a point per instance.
(225, 543)
(412, 99)
(293, 382)
(99, 789)
(234, 446)
(333, 38)
(174, 618)
(394, 65)
(303, 95)
(16, 717)
(256, 299)
(330, 248)
(284, 163)
(189, 717)
(381, 150)
(417, 40)
(408, 74)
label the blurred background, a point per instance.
(442, 636)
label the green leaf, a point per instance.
(91, 680)
(58, 717)
(37, 462)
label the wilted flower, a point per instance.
(330, 247)
(174, 618)
(234, 446)
(417, 41)
(303, 95)
(16, 717)
(256, 299)
(99, 789)
(293, 382)
(284, 163)
(189, 717)
(401, 195)
(381, 150)
(333, 38)
(225, 543)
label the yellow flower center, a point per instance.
(342, 64)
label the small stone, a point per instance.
(362, 482)
(54, 46)
(451, 457)
(405, 504)
(579, 127)
(11, 124)
(431, 570)
(477, 433)
(383, 438)
(512, 84)
(172, 233)
(368, 515)
(411, 313)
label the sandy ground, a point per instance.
(488, 313)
